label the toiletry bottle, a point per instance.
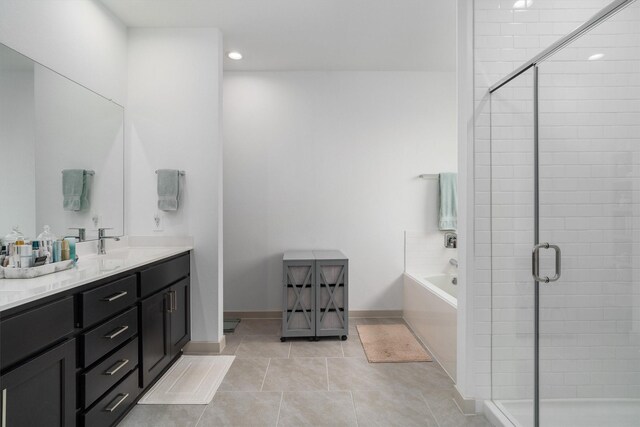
(11, 240)
(72, 248)
(47, 238)
(64, 250)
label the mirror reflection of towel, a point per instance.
(168, 189)
(72, 189)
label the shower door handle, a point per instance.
(535, 263)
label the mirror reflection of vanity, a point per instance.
(50, 124)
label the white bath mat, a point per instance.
(192, 380)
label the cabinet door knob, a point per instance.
(116, 332)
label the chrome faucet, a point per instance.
(450, 240)
(82, 234)
(102, 238)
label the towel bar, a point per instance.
(181, 173)
(429, 176)
(88, 172)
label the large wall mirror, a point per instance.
(62, 153)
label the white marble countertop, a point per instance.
(120, 257)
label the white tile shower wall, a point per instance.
(425, 253)
(504, 37)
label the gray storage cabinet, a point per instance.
(315, 294)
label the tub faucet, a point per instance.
(450, 240)
(454, 262)
(101, 240)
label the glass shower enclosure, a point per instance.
(565, 229)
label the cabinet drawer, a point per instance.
(102, 339)
(114, 404)
(103, 376)
(160, 276)
(100, 303)
(43, 326)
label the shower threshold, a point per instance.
(573, 412)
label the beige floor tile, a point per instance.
(317, 408)
(163, 416)
(296, 374)
(262, 346)
(241, 409)
(364, 321)
(259, 327)
(392, 408)
(231, 344)
(351, 373)
(417, 375)
(447, 413)
(245, 375)
(353, 346)
(326, 347)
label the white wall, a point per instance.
(173, 121)
(17, 142)
(330, 160)
(77, 38)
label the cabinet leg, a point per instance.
(282, 339)
(343, 338)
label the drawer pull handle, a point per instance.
(119, 398)
(116, 332)
(115, 368)
(114, 296)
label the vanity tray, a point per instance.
(30, 273)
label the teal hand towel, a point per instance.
(448, 201)
(168, 189)
(72, 186)
(87, 181)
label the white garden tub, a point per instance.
(430, 309)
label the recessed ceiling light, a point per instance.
(236, 56)
(522, 4)
(596, 56)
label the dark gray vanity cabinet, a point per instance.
(42, 391)
(165, 315)
(85, 356)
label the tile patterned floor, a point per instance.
(325, 383)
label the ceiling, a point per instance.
(377, 35)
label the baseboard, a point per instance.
(204, 348)
(466, 406)
(375, 313)
(253, 314)
(278, 314)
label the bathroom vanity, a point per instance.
(80, 347)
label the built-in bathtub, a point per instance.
(430, 309)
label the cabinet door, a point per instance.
(180, 316)
(155, 336)
(42, 391)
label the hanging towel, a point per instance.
(72, 186)
(87, 181)
(168, 189)
(448, 201)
